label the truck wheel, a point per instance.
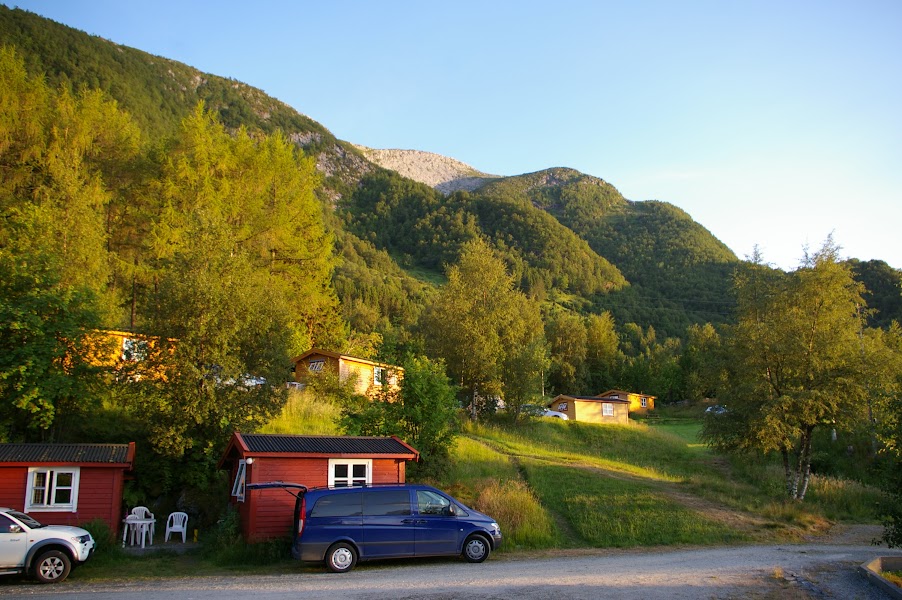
(341, 557)
(52, 566)
(476, 549)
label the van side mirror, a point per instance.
(450, 511)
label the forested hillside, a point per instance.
(678, 271)
(578, 254)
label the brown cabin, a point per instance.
(66, 484)
(639, 403)
(369, 376)
(592, 409)
(311, 460)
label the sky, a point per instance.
(774, 124)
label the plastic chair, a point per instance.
(177, 523)
(142, 512)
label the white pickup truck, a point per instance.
(48, 552)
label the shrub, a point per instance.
(523, 521)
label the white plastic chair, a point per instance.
(177, 523)
(142, 512)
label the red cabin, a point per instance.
(311, 460)
(65, 484)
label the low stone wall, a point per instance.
(872, 571)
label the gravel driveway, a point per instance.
(773, 571)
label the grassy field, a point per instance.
(555, 484)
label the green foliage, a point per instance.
(485, 330)
(423, 412)
(883, 291)
(415, 222)
(795, 362)
(678, 272)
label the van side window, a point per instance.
(430, 503)
(337, 505)
(388, 502)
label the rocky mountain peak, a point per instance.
(444, 174)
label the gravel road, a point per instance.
(764, 572)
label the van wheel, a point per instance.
(52, 566)
(476, 549)
(341, 557)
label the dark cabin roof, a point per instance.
(590, 399)
(66, 453)
(322, 444)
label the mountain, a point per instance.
(445, 174)
(568, 237)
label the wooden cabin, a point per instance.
(66, 484)
(369, 376)
(592, 409)
(311, 460)
(639, 403)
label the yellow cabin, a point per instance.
(369, 376)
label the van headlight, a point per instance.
(494, 528)
(83, 539)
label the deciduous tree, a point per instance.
(795, 361)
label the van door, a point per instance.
(333, 516)
(438, 530)
(388, 525)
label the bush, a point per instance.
(524, 523)
(104, 537)
(227, 548)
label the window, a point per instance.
(348, 473)
(7, 525)
(134, 350)
(607, 409)
(386, 503)
(238, 488)
(338, 505)
(52, 489)
(644, 402)
(316, 366)
(430, 503)
(378, 375)
(562, 407)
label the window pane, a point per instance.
(430, 503)
(359, 471)
(64, 479)
(341, 471)
(390, 502)
(39, 488)
(337, 505)
(62, 496)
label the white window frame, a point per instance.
(644, 402)
(316, 365)
(239, 488)
(378, 375)
(52, 477)
(349, 480)
(607, 409)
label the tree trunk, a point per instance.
(787, 470)
(805, 463)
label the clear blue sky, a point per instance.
(770, 122)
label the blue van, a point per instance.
(340, 526)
